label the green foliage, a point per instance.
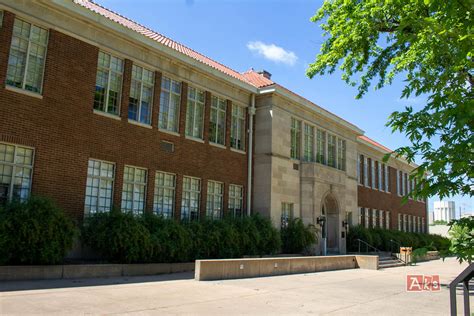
(439, 222)
(431, 45)
(296, 237)
(380, 239)
(120, 237)
(461, 233)
(417, 254)
(34, 232)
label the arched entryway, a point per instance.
(330, 211)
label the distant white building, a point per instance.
(444, 211)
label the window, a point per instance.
(405, 222)
(27, 56)
(237, 132)
(409, 223)
(16, 169)
(387, 178)
(341, 154)
(361, 216)
(1, 18)
(170, 100)
(419, 225)
(134, 189)
(366, 174)
(99, 186)
(215, 196)
(295, 138)
(308, 142)
(332, 150)
(405, 184)
(381, 219)
(367, 215)
(217, 121)
(387, 219)
(321, 146)
(399, 188)
(236, 193)
(358, 169)
(286, 213)
(374, 218)
(400, 224)
(108, 84)
(423, 225)
(379, 171)
(141, 95)
(165, 185)
(195, 113)
(191, 198)
(373, 174)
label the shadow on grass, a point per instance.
(10, 286)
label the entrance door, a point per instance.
(332, 224)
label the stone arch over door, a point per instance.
(330, 209)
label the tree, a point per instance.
(461, 233)
(431, 44)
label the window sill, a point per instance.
(133, 122)
(169, 132)
(238, 151)
(199, 140)
(25, 92)
(105, 114)
(217, 145)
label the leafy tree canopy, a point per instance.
(431, 44)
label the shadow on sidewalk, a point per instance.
(10, 286)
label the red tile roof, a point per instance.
(257, 79)
(113, 16)
(373, 142)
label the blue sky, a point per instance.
(241, 35)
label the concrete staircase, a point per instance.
(389, 262)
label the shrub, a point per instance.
(118, 237)
(461, 232)
(269, 242)
(34, 232)
(296, 237)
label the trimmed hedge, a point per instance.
(380, 238)
(120, 237)
(34, 232)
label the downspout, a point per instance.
(250, 154)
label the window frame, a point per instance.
(321, 146)
(199, 194)
(218, 111)
(341, 154)
(240, 121)
(308, 142)
(101, 178)
(295, 143)
(105, 105)
(287, 213)
(27, 58)
(196, 103)
(164, 187)
(331, 142)
(211, 199)
(234, 198)
(142, 83)
(134, 184)
(15, 165)
(170, 93)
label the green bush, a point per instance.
(34, 232)
(380, 238)
(296, 237)
(118, 237)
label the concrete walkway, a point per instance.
(346, 292)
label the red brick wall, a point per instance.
(66, 133)
(380, 200)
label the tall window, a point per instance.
(405, 222)
(215, 197)
(99, 187)
(409, 223)
(341, 154)
(321, 146)
(108, 85)
(381, 218)
(170, 100)
(404, 183)
(191, 198)
(141, 95)
(236, 196)
(423, 225)
(366, 172)
(387, 178)
(374, 218)
(217, 121)
(165, 185)
(373, 173)
(27, 56)
(286, 213)
(358, 169)
(134, 189)
(332, 150)
(195, 113)
(308, 142)
(400, 224)
(16, 168)
(361, 216)
(387, 219)
(380, 173)
(295, 138)
(367, 215)
(1, 18)
(399, 190)
(237, 132)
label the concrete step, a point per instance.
(391, 265)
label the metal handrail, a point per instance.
(367, 245)
(392, 241)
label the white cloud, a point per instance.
(272, 52)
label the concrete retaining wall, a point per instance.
(431, 255)
(253, 267)
(77, 271)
